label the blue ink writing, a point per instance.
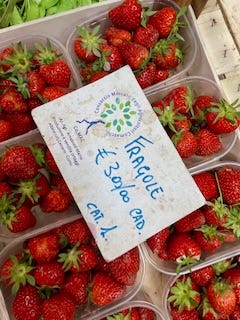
(95, 212)
(138, 218)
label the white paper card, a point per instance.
(124, 172)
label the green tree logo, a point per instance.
(118, 114)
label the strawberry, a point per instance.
(229, 182)
(146, 313)
(27, 304)
(49, 274)
(53, 92)
(233, 275)
(79, 258)
(221, 297)
(131, 314)
(134, 54)
(6, 130)
(50, 162)
(233, 221)
(21, 219)
(12, 101)
(35, 84)
(62, 186)
(110, 59)
(76, 285)
(105, 289)
(235, 315)
(185, 143)
(146, 75)
(166, 54)
(5, 189)
(201, 105)
(158, 243)
(215, 212)
(54, 201)
(203, 276)
(117, 36)
(208, 238)
(146, 36)
(160, 75)
(58, 306)
(181, 97)
(21, 122)
(44, 247)
(18, 163)
(207, 184)
(184, 294)
(77, 232)
(183, 249)
(184, 315)
(33, 103)
(207, 143)
(163, 20)
(125, 267)
(223, 117)
(127, 15)
(206, 310)
(190, 222)
(96, 75)
(56, 73)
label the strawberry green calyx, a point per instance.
(210, 232)
(90, 40)
(146, 13)
(233, 220)
(21, 85)
(38, 151)
(226, 110)
(208, 309)
(183, 296)
(45, 54)
(178, 24)
(28, 189)
(119, 316)
(70, 258)
(221, 266)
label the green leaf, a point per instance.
(48, 3)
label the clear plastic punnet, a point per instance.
(226, 250)
(188, 47)
(200, 86)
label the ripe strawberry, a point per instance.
(221, 297)
(76, 285)
(96, 75)
(146, 76)
(183, 249)
(117, 36)
(146, 36)
(184, 315)
(203, 276)
(208, 238)
(127, 15)
(158, 243)
(33, 103)
(12, 101)
(21, 122)
(229, 182)
(160, 75)
(58, 306)
(21, 219)
(233, 275)
(79, 258)
(163, 20)
(206, 310)
(131, 314)
(44, 247)
(233, 221)
(105, 289)
(207, 184)
(166, 55)
(27, 304)
(56, 73)
(62, 186)
(18, 163)
(53, 92)
(5, 189)
(223, 117)
(35, 84)
(185, 143)
(50, 162)
(190, 222)
(207, 143)
(134, 54)
(49, 274)
(124, 268)
(235, 315)
(6, 130)
(110, 59)
(201, 105)
(77, 232)
(215, 212)
(146, 313)
(181, 97)
(54, 201)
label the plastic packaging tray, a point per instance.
(227, 250)
(188, 47)
(200, 86)
(88, 313)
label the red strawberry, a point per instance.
(203, 276)
(50, 162)
(110, 59)
(207, 143)
(76, 285)
(146, 76)
(206, 310)
(5, 189)
(207, 184)
(6, 130)
(117, 36)
(12, 101)
(146, 313)
(35, 84)
(77, 232)
(18, 163)
(158, 243)
(134, 54)
(96, 75)
(200, 106)
(62, 186)
(105, 289)
(160, 75)
(208, 238)
(235, 315)
(124, 268)
(163, 20)
(58, 306)
(44, 247)
(27, 304)
(190, 222)
(184, 315)
(21, 122)
(33, 103)
(166, 55)
(215, 212)
(185, 143)
(5, 54)
(221, 297)
(127, 15)
(49, 274)
(131, 314)
(223, 117)
(54, 201)
(57, 73)
(53, 92)
(181, 97)
(21, 219)
(146, 36)
(229, 182)
(233, 275)
(183, 249)
(232, 223)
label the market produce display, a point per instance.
(209, 293)
(63, 271)
(134, 313)
(206, 230)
